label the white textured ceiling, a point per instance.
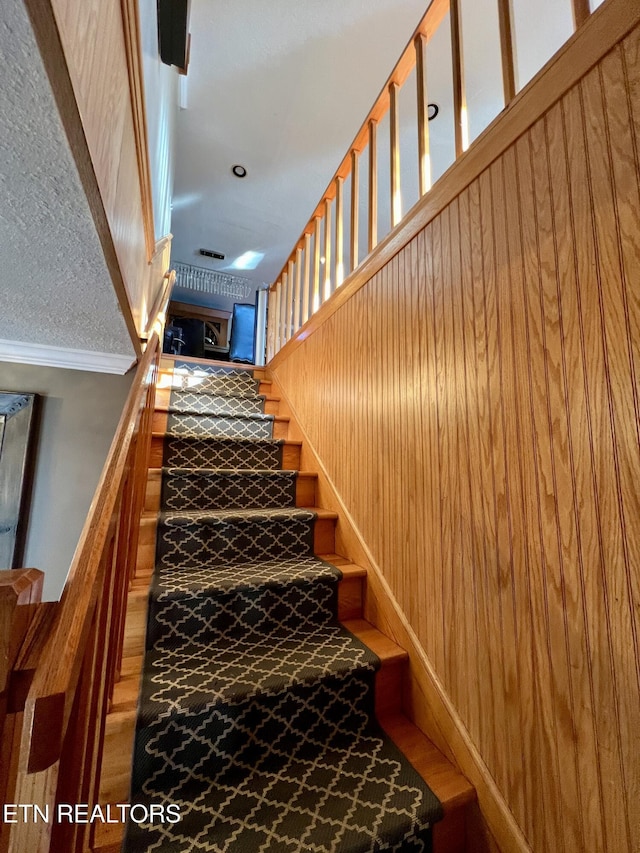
(283, 86)
(55, 289)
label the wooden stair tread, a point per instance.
(388, 651)
(447, 783)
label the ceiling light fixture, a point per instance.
(239, 171)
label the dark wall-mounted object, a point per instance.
(173, 32)
(243, 333)
(16, 428)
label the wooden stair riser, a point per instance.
(290, 453)
(305, 490)
(324, 538)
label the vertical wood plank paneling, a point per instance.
(620, 496)
(463, 614)
(471, 483)
(491, 428)
(413, 427)
(440, 437)
(476, 327)
(504, 459)
(593, 434)
(435, 478)
(517, 405)
(555, 489)
(586, 748)
(493, 456)
(548, 833)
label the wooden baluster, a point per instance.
(271, 325)
(315, 302)
(394, 148)
(459, 96)
(290, 285)
(306, 285)
(506, 48)
(339, 273)
(355, 211)
(278, 339)
(581, 12)
(297, 321)
(373, 184)
(20, 625)
(424, 153)
(78, 775)
(283, 309)
(327, 250)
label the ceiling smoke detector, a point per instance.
(239, 171)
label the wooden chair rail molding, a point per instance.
(333, 284)
(59, 750)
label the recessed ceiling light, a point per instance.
(239, 171)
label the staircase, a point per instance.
(290, 757)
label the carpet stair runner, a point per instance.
(256, 712)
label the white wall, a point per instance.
(161, 99)
(78, 415)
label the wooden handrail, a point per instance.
(49, 702)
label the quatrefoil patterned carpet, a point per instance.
(256, 710)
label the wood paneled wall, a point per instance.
(92, 33)
(476, 406)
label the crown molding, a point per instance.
(21, 352)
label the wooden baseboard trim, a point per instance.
(426, 702)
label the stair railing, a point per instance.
(311, 275)
(61, 686)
